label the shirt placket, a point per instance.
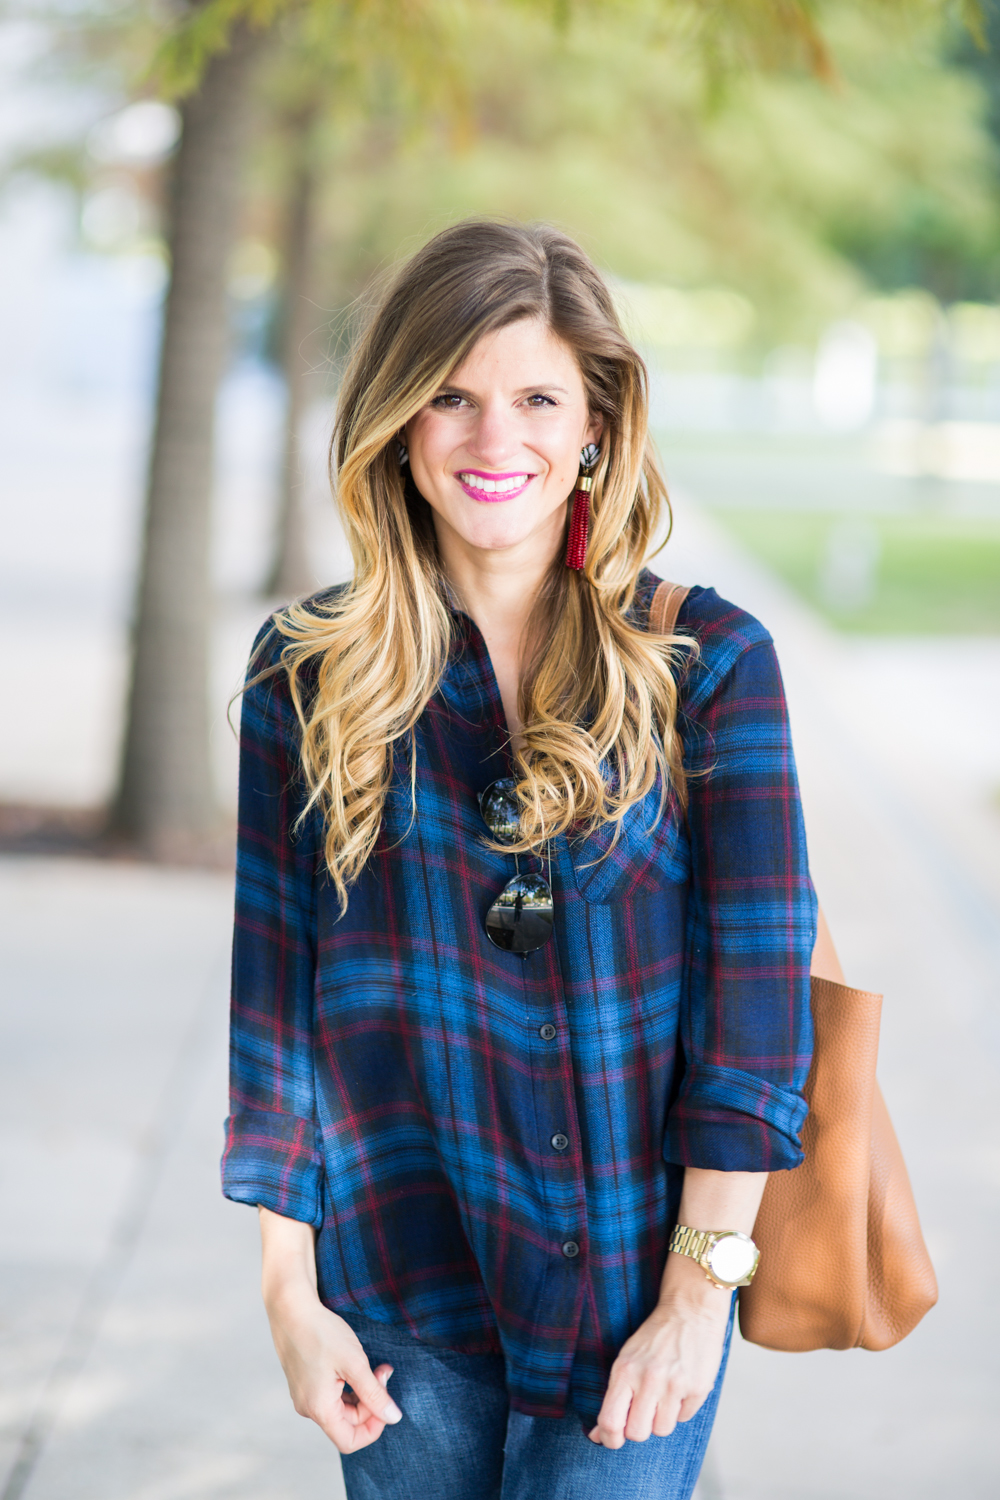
(558, 1137)
(558, 1149)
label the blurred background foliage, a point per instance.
(797, 203)
(865, 158)
(799, 193)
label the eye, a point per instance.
(447, 401)
(538, 400)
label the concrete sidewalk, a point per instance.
(905, 851)
(136, 1360)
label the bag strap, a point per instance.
(663, 612)
(666, 606)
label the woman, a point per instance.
(523, 919)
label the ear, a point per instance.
(595, 429)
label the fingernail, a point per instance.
(391, 1412)
(384, 1377)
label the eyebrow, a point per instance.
(526, 390)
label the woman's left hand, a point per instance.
(667, 1368)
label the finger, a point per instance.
(613, 1414)
(358, 1413)
(373, 1400)
(639, 1423)
(348, 1435)
(690, 1407)
(347, 1425)
(666, 1417)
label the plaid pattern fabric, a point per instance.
(492, 1148)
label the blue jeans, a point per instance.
(459, 1439)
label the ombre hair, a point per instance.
(598, 695)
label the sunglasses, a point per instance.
(520, 919)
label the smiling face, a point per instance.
(496, 452)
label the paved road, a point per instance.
(136, 1363)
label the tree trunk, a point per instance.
(291, 572)
(165, 799)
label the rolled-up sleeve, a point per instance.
(746, 1027)
(272, 1154)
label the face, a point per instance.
(496, 452)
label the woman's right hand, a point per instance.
(320, 1353)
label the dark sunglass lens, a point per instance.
(520, 919)
(501, 814)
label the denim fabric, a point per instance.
(460, 1440)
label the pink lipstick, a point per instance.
(490, 488)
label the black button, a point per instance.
(560, 1141)
(547, 1032)
(570, 1249)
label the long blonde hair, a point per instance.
(598, 696)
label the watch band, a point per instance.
(692, 1242)
(698, 1245)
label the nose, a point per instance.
(494, 440)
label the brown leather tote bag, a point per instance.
(843, 1263)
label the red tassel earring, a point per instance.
(579, 526)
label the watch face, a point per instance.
(732, 1258)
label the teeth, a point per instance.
(493, 486)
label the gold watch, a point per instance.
(727, 1257)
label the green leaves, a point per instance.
(784, 149)
(201, 30)
(728, 36)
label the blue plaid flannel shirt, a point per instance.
(404, 1086)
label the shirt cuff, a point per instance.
(273, 1159)
(726, 1120)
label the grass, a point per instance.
(890, 575)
